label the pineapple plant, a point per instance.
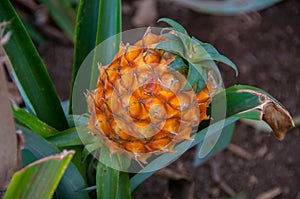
(152, 95)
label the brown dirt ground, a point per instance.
(265, 46)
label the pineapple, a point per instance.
(141, 106)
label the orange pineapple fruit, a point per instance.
(139, 106)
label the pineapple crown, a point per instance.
(194, 57)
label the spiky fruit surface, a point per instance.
(141, 107)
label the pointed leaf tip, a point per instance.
(278, 119)
(273, 113)
(176, 26)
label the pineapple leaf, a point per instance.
(209, 48)
(66, 138)
(196, 75)
(119, 161)
(109, 21)
(222, 143)
(272, 112)
(210, 53)
(176, 26)
(72, 181)
(39, 179)
(225, 60)
(173, 46)
(187, 43)
(30, 71)
(109, 26)
(90, 148)
(178, 64)
(170, 36)
(180, 38)
(192, 77)
(33, 123)
(107, 181)
(124, 186)
(215, 57)
(85, 40)
(180, 31)
(193, 51)
(206, 52)
(195, 40)
(202, 81)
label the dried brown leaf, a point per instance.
(278, 119)
(273, 113)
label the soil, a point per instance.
(265, 46)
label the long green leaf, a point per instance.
(63, 15)
(71, 182)
(110, 21)
(222, 143)
(236, 102)
(39, 179)
(30, 71)
(66, 138)
(33, 123)
(109, 24)
(124, 186)
(112, 183)
(107, 182)
(25, 98)
(85, 38)
(70, 137)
